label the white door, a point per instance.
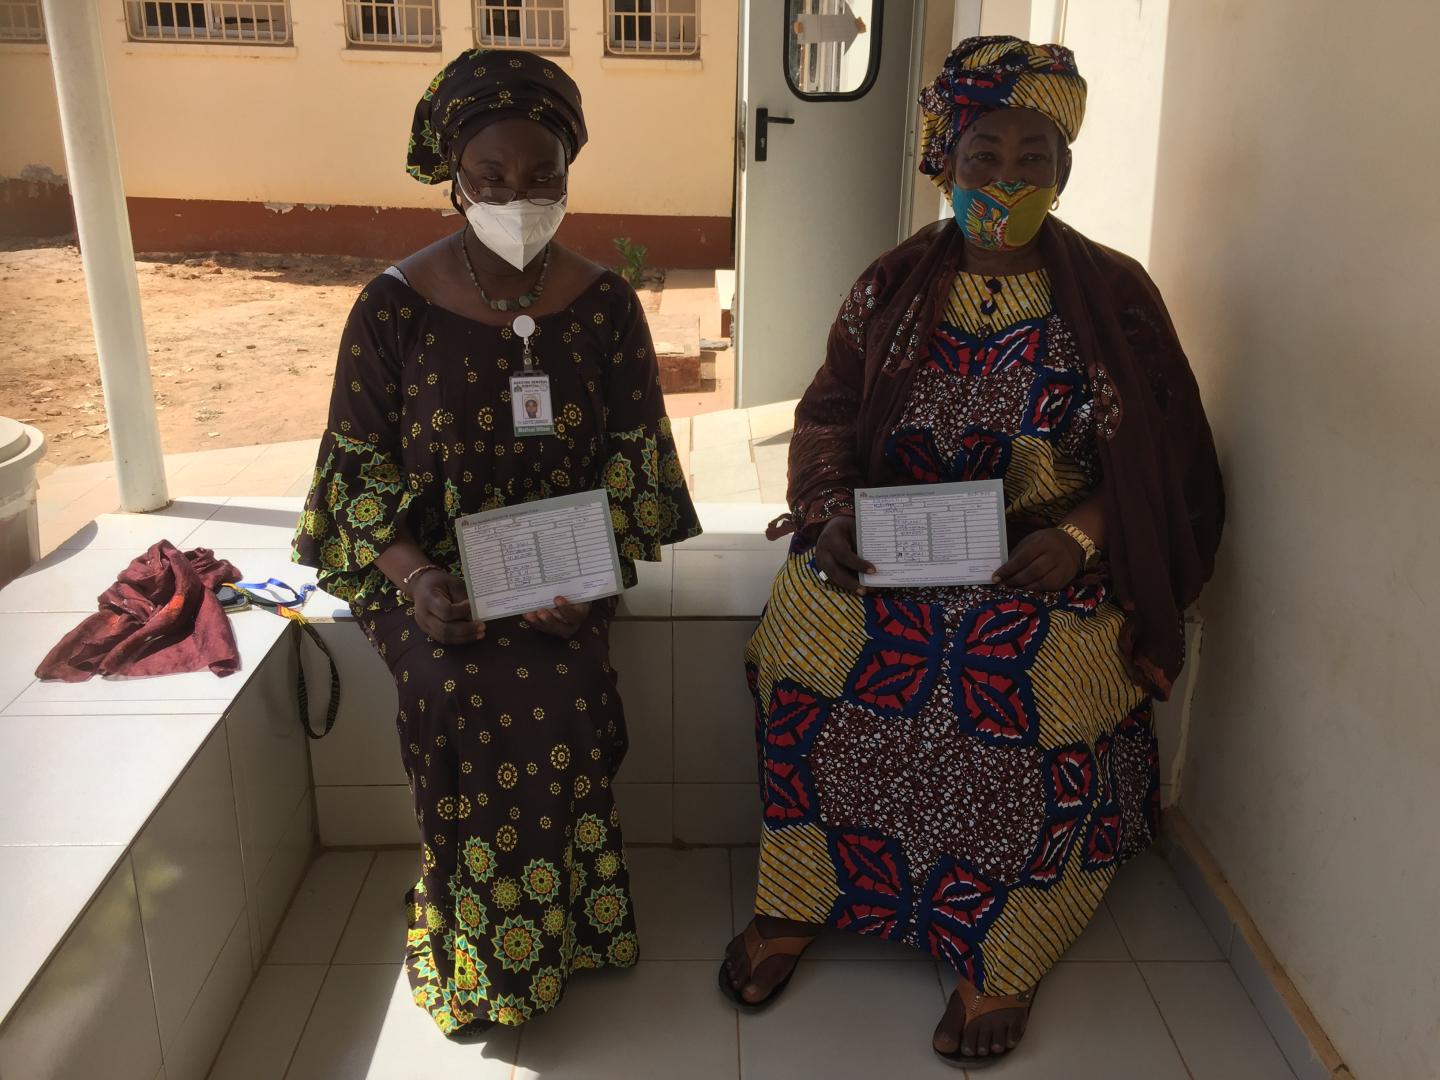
(825, 104)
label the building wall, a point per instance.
(32, 158)
(936, 41)
(1280, 197)
(1294, 237)
(1120, 49)
(1005, 17)
(319, 124)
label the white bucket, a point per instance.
(21, 448)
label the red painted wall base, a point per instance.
(194, 225)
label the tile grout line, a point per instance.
(224, 727)
(1255, 1005)
(1225, 963)
(1135, 963)
(1105, 903)
(309, 1015)
(145, 947)
(1184, 1064)
(329, 968)
(739, 1049)
(290, 904)
(674, 741)
(219, 1046)
(340, 938)
(1239, 937)
(739, 1043)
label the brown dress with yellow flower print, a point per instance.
(510, 743)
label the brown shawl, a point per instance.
(161, 617)
(1164, 503)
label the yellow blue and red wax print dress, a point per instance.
(510, 743)
(960, 768)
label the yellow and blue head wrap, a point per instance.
(983, 74)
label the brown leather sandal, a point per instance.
(973, 1004)
(758, 951)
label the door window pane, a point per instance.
(831, 46)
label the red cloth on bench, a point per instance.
(161, 617)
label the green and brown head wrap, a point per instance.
(483, 86)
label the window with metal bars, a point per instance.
(251, 22)
(21, 20)
(652, 27)
(392, 24)
(541, 25)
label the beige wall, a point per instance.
(317, 123)
(30, 121)
(1295, 238)
(1281, 199)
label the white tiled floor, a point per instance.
(332, 1000)
(1144, 993)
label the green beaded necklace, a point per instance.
(505, 305)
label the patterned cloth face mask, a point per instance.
(1004, 215)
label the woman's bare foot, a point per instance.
(977, 1026)
(764, 956)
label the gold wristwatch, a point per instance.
(1087, 545)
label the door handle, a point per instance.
(763, 120)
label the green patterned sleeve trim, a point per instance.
(359, 495)
(649, 503)
(356, 501)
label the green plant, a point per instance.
(632, 259)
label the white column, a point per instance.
(966, 21)
(1047, 21)
(93, 164)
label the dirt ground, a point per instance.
(242, 347)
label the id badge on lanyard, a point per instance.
(530, 403)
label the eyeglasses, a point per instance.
(496, 195)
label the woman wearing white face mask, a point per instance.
(496, 367)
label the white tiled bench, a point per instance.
(153, 832)
(677, 643)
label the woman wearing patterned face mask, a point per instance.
(964, 768)
(510, 731)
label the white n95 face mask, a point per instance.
(517, 231)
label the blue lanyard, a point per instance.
(258, 594)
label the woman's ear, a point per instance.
(1066, 160)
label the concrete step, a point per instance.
(694, 292)
(677, 347)
(675, 334)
